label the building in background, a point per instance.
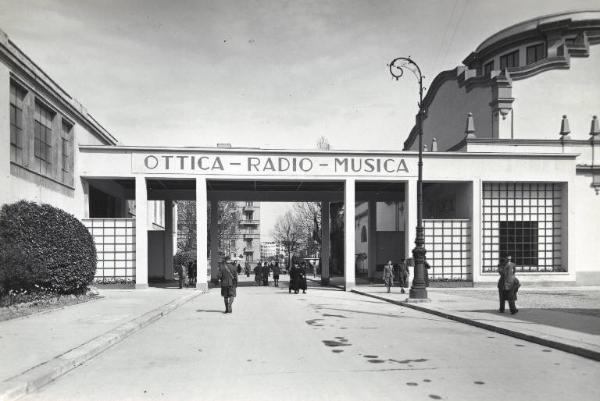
(244, 242)
(270, 250)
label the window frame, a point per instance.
(488, 68)
(541, 47)
(514, 56)
(16, 106)
(43, 118)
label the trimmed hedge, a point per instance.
(44, 248)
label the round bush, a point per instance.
(42, 246)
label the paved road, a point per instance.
(325, 345)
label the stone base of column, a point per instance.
(202, 287)
(324, 280)
(349, 286)
(417, 300)
(141, 286)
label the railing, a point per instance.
(249, 222)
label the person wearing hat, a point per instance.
(388, 274)
(229, 280)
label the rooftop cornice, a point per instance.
(25, 69)
(316, 152)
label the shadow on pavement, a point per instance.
(577, 319)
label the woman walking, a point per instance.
(229, 280)
(388, 275)
(403, 276)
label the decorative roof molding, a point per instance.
(27, 70)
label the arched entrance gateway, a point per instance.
(376, 190)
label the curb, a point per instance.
(40, 375)
(572, 349)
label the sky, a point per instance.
(268, 74)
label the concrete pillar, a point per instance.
(325, 242)
(168, 241)
(141, 233)
(175, 226)
(201, 240)
(214, 241)
(349, 232)
(372, 240)
(476, 230)
(411, 218)
(85, 186)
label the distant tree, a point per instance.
(308, 217)
(228, 220)
(323, 144)
(287, 232)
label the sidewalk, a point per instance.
(567, 319)
(39, 347)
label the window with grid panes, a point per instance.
(509, 60)
(17, 96)
(42, 130)
(523, 220)
(66, 151)
(535, 53)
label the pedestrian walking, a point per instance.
(508, 285)
(426, 273)
(302, 277)
(258, 274)
(192, 273)
(294, 278)
(403, 276)
(276, 272)
(239, 268)
(179, 271)
(229, 280)
(388, 274)
(265, 274)
(247, 268)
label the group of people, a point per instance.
(298, 278)
(263, 270)
(391, 271)
(187, 274)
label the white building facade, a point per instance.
(502, 181)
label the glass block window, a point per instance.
(115, 247)
(448, 245)
(524, 221)
(17, 96)
(42, 130)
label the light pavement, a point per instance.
(324, 345)
(567, 318)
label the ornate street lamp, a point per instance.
(418, 290)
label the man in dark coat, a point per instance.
(302, 277)
(403, 276)
(508, 284)
(229, 279)
(276, 273)
(294, 278)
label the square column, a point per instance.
(170, 232)
(201, 240)
(349, 232)
(325, 243)
(476, 230)
(141, 233)
(214, 241)
(372, 240)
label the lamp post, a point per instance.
(418, 290)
